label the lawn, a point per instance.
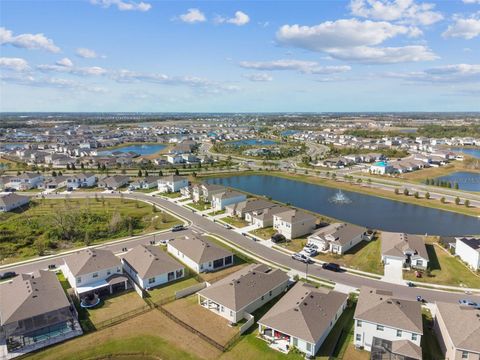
(213, 213)
(115, 306)
(47, 225)
(445, 269)
(365, 256)
(264, 233)
(205, 321)
(430, 347)
(234, 221)
(172, 195)
(199, 206)
(150, 336)
(167, 291)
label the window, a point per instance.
(270, 293)
(420, 262)
(151, 280)
(414, 337)
(179, 273)
(222, 309)
(108, 272)
(359, 323)
(295, 341)
(95, 275)
(464, 354)
(358, 337)
(263, 297)
(309, 347)
(79, 280)
(380, 327)
(399, 333)
(231, 313)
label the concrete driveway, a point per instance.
(393, 272)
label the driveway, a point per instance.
(393, 271)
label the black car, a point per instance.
(331, 267)
(8, 275)
(178, 228)
(278, 238)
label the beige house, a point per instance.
(204, 192)
(338, 237)
(294, 223)
(408, 249)
(242, 208)
(244, 291)
(458, 331)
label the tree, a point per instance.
(146, 173)
(82, 166)
(160, 173)
(177, 172)
(397, 191)
(457, 201)
(467, 203)
(68, 166)
(443, 200)
(406, 192)
(154, 208)
(54, 173)
(427, 195)
(73, 167)
(140, 174)
(456, 185)
(417, 195)
(86, 240)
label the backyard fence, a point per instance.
(250, 320)
(123, 317)
(190, 290)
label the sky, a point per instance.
(239, 56)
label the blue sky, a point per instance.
(236, 56)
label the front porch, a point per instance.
(112, 284)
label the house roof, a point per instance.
(149, 261)
(473, 243)
(462, 324)
(269, 212)
(407, 348)
(294, 215)
(245, 286)
(251, 205)
(171, 178)
(396, 244)
(341, 232)
(228, 194)
(91, 260)
(380, 307)
(30, 295)
(304, 312)
(11, 199)
(199, 249)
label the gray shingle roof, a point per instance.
(199, 249)
(149, 261)
(91, 260)
(395, 244)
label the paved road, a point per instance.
(202, 224)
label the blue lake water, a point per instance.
(466, 180)
(469, 151)
(147, 149)
(289, 132)
(363, 210)
(253, 142)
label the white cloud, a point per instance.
(305, 67)
(86, 53)
(66, 66)
(51, 82)
(65, 62)
(471, 1)
(258, 77)
(443, 74)
(355, 40)
(239, 19)
(466, 28)
(15, 64)
(193, 16)
(123, 5)
(406, 11)
(27, 41)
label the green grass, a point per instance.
(264, 233)
(63, 281)
(171, 195)
(213, 213)
(445, 269)
(167, 291)
(430, 347)
(234, 221)
(200, 206)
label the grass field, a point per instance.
(164, 292)
(47, 226)
(172, 195)
(234, 221)
(200, 206)
(264, 233)
(445, 269)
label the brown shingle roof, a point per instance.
(149, 261)
(199, 249)
(395, 244)
(91, 260)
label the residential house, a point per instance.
(175, 159)
(81, 180)
(150, 266)
(113, 182)
(200, 254)
(220, 200)
(34, 312)
(204, 192)
(94, 270)
(241, 209)
(12, 201)
(25, 181)
(172, 183)
(409, 250)
(381, 168)
(294, 223)
(148, 182)
(302, 318)
(468, 249)
(54, 182)
(338, 238)
(385, 324)
(264, 217)
(243, 292)
(458, 330)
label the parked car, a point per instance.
(331, 267)
(177, 228)
(466, 302)
(310, 251)
(410, 284)
(8, 275)
(303, 258)
(278, 238)
(421, 299)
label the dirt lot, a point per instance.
(115, 306)
(201, 319)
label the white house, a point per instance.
(220, 200)
(468, 249)
(302, 318)
(25, 181)
(338, 237)
(148, 182)
(200, 254)
(409, 250)
(11, 201)
(294, 223)
(150, 266)
(206, 191)
(94, 270)
(380, 167)
(384, 323)
(264, 217)
(81, 180)
(175, 159)
(172, 183)
(243, 292)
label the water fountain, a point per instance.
(340, 198)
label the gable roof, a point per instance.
(199, 249)
(30, 295)
(342, 233)
(11, 199)
(228, 194)
(245, 286)
(91, 260)
(407, 348)
(293, 215)
(304, 312)
(149, 261)
(462, 324)
(396, 244)
(380, 307)
(471, 242)
(251, 205)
